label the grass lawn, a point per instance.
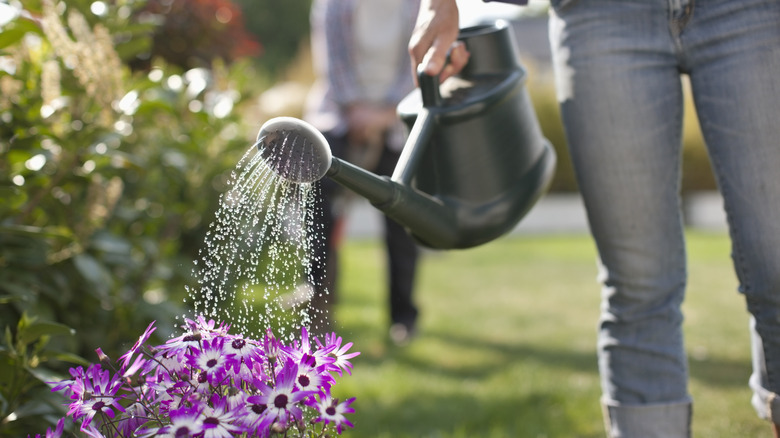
(506, 344)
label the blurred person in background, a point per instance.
(359, 50)
(618, 67)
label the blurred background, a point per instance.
(120, 124)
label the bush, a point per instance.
(109, 181)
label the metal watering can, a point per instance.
(475, 161)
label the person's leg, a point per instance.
(621, 103)
(733, 53)
(402, 258)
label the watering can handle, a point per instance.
(429, 88)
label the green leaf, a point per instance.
(36, 330)
(70, 358)
(14, 31)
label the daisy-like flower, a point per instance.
(243, 352)
(298, 353)
(181, 345)
(311, 378)
(211, 361)
(257, 417)
(283, 398)
(134, 418)
(185, 422)
(209, 327)
(255, 388)
(127, 357)
(94, 393)
(339, 353)
(331, 411)
(219, 421)
(56, 433)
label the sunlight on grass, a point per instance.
(507, 342)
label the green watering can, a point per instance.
(475, 161)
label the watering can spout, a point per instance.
(299, 153)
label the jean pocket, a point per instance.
(561, 5)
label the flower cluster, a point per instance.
(209, 383)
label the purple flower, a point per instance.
(185, 422)
(210, 384)
(257, 417)
(56, 433)
(331, 411)
(243, 353)
(271, 346)
(282, 400)
(127, 357)
(136, 416)
(339, 352)
(300, 353)
(219, 421)
(211, 361)
(313, 379)
(94, 392)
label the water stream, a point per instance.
(255, 269)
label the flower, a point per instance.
(127, 357)
(186, 421)
(210, 384)
(210, 360)
(219, 421)
(56, 433)
(331, 411)
(339, 352)
(94, 393)
(282, 400)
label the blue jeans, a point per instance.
(618, 67)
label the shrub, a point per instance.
(109, 179)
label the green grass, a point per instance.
(506, 344)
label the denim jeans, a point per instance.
(618, 67)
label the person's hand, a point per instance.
(435, 35)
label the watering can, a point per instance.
(475, 161)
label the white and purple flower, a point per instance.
(210, 384)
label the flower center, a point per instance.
(98, 406)
(259, 409)
(330, 410)
(213, 421)
(281, 401)
(211, 363)
(309, 360)
(182, 432)
(303, 380)
(238, 344)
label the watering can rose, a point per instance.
(209, 383)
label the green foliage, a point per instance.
(27, 355)
(109, 179)
(280, 26)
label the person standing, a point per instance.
(618, 67)
(359, 55)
